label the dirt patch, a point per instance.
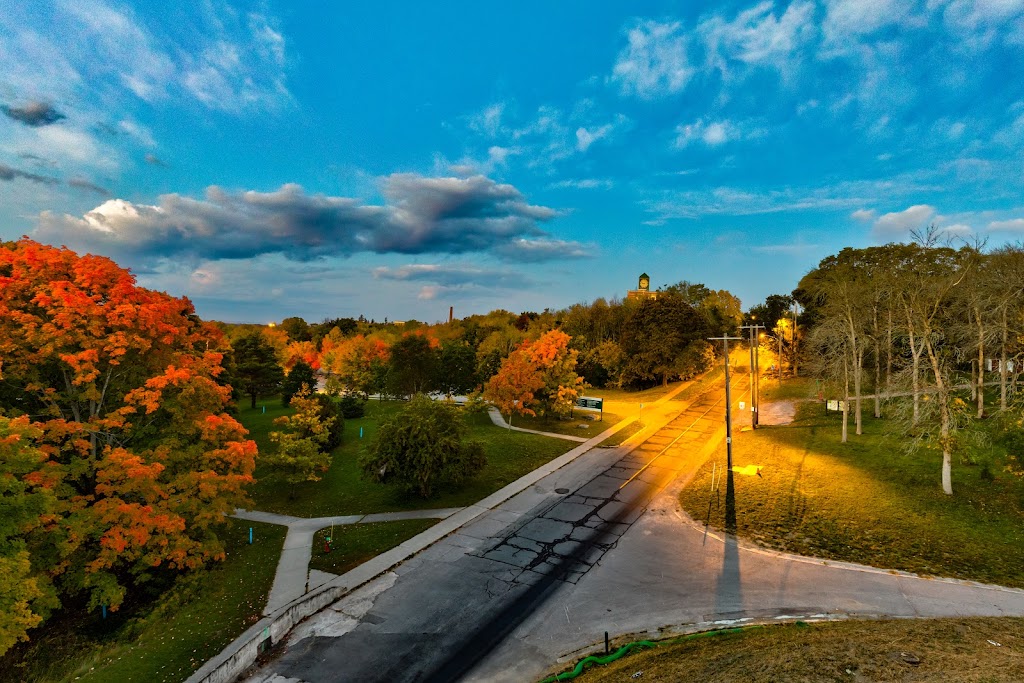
(777, 412)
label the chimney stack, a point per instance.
(451, 313)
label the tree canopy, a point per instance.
(117, 401)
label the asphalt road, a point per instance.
(441, 613)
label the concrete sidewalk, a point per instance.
(499, 420)
(293, 578)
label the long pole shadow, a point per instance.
(729, 590)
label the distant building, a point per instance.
(643, 290)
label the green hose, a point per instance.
(608, 659)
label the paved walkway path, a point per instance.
(497, 419)
(293, 578)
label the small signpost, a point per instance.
(590, 403)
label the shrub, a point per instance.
(352, 407)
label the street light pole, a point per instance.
(796, 312)
(755, 396)
(728, 401)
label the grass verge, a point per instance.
(343, 491)
(162, 639)
(353, 544)
(869, 501)
(944, 649)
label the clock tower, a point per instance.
(643, 290)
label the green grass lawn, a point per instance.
(870, 501)
(354, 544)
(343, 491)
(898, 650)
(161, 639)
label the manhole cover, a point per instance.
(561, 490)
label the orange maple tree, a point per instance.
(538, 377)
(355, 363)
(124, 388)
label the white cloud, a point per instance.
(488, 121)
(899, 222)
(850, 18)
(585, 138)
(1012, 225)
(711, 133)
(655, 63)
(224, 60)
(428, 293)
(758, 36)
(957, 229)
(863, 215)
(584, 184)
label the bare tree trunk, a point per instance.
(878, 368)
(888, 358)
(1002, 364)
(945, 425)
(915, 374)
(981, 363)
(858, 361)
(858, 371)
(846, 395)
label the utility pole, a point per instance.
(755, 396)
(728, 401)
(796, 311)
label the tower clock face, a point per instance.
(644, 283)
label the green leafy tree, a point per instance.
(413, 369)
(256, 366)
(301, 453)
(456, 368)
(423, 447)
(331, 414)
(297, 329)
(656, 338)
(301, 375)
(26, 594)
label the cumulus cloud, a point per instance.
(8, 173)
(899, 222)
(33, 114)
(420, 215)
(864, 215)
(655, 62)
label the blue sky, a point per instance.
(392, 159)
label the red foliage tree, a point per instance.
(122, 384)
